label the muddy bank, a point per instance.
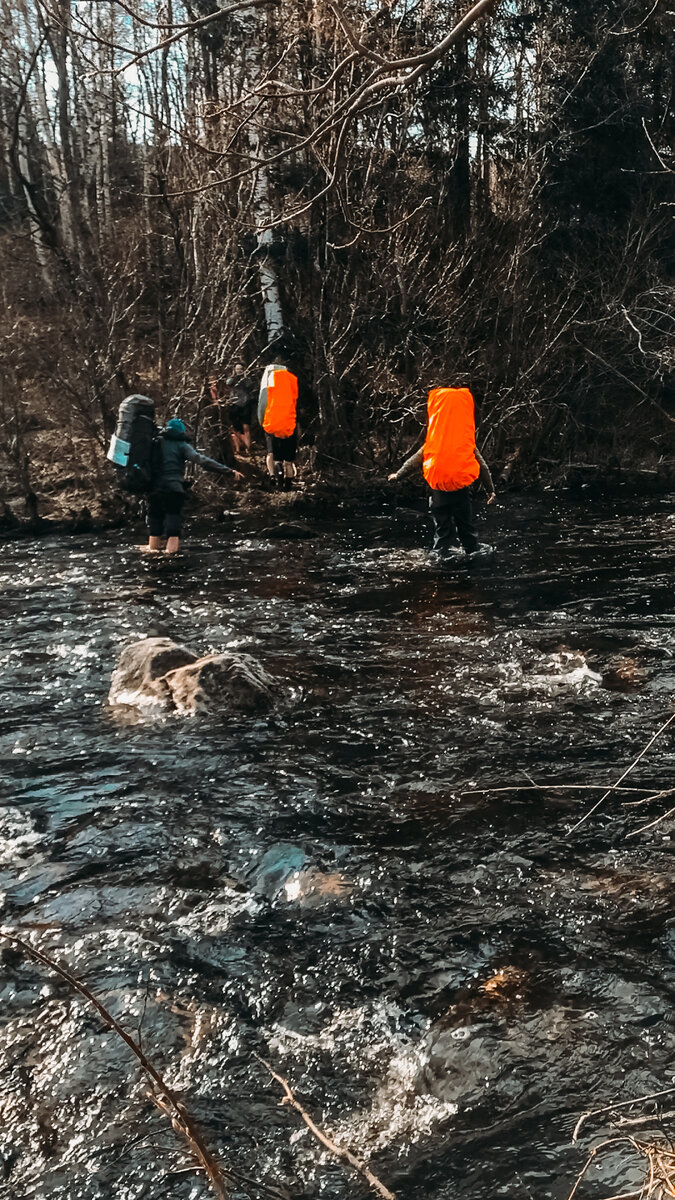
(66, 509)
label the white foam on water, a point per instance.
(398, 1114)
(17, 835)
(216, 916)
(371, 1036)
(77, 650)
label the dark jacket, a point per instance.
(176, 453)
(242, 398)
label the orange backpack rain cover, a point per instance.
(450, 461)
(282, 400)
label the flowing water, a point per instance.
(445, 974)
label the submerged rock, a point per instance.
(286, 873)
(623, 674)
(269, 875)
(157, 671)
(288, 531)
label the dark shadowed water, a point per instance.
(447, 976)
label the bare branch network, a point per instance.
(258, 119)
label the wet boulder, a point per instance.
(220, 681)
(157, 671)
(140, 675)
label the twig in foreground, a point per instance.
(614, 786)
(660, 1165)
(345, 1155)
(167, 1099)
(591, 1157)
(643, 828)
(558, 787)
(609, 1108)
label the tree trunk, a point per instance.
(267, 272)
(460, 175)
(484, 139)
(34, 222)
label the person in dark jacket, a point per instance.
(216, 423)
(166, 500)
(241, 407)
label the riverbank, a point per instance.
(68, 506)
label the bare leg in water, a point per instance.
(172, 545)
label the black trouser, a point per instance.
(282, 449)
(452, 514)
(165, 510)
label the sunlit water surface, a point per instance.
(444, 973)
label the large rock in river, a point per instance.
(220, 681)
(159, 671)
(140, 675)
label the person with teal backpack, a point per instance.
(167, 494)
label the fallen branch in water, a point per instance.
(648, 799)
(337, 1151)
(643, 828)
(614, 786)
(559, 787)
(645, 1119)
(660, 1168)
(610, 1108)
(165, 1099)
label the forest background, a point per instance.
(399, 194)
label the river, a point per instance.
(444, 972)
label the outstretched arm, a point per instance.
(209, 464)
(484, 477)
(409, 465)
(262, 400)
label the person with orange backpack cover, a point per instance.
(452, 465)
(277, 414)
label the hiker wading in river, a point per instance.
(277, 414)
(451, 465)
(166, 500)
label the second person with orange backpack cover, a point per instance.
(277, 414)
(452, 465)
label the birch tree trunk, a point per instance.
(106, 31)
(16, 130)
(262, 43)
(267, 272)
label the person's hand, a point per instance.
(492, 497)
(390, 478)
(238, 476)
